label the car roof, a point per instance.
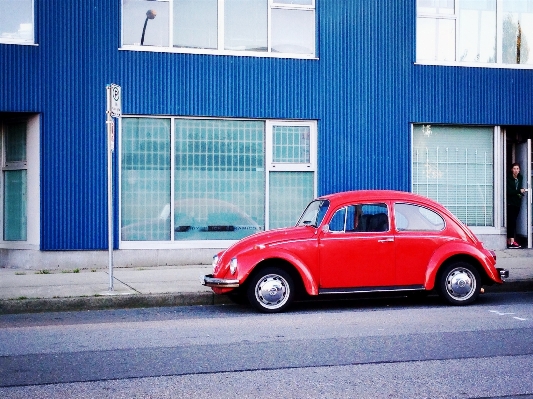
(377, 195)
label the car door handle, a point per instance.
(386, 240)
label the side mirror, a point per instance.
(325, 228)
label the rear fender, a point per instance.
(466, 252)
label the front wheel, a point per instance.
(459, 283)
(271, 290)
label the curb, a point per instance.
(40, 305)
(15, 306)
(511, 286)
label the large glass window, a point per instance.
(219, 179)
(211, 179)
(145, 183)
(16, 21)
(221, 26)
(454, 165)
(474, 31)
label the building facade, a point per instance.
(236, 113)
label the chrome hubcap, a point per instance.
(272, 291)
(461, 283)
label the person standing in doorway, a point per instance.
(515, 192)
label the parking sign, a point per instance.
(116, 100)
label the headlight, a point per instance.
(233, 265)
(215, 262)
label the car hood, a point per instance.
(270, 237)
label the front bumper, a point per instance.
(210, 281)
(504, 273)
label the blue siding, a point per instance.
(364, 89)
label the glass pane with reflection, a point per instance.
(196, 24)
(245, 25)
(145, 23)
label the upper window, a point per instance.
(16, 21)
(261, 27)
(474, 31)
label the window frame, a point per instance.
(269, 166)
(455, 17)
(272, 5)
(32, 166)
(22, 42)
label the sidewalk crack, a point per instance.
(127, 285)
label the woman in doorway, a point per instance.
(515, 191)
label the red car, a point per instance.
(358, 241)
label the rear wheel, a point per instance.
(271, 290)
(459, 283)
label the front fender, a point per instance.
(251, 260)
(452, 249)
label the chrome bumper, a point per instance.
(210, 281)
(503, 273)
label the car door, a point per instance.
(419, 232)
(357, 248)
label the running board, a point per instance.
(356, 290)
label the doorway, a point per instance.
(519, 149)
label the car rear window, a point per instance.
(410, 217)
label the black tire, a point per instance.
(459, 283)
(271, 290)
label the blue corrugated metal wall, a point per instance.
(364, 90)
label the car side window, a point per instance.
(374, 218)
(360, 218)
(410, 217)
(336, 224)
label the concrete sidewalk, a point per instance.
(39, 291)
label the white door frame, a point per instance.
(523, 157)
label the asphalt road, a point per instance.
(368, 348)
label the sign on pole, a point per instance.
(116, 100)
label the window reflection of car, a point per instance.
(195, 219)
(358, 242)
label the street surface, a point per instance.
(362, 348)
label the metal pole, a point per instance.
(110, 145)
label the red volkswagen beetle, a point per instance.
(358, 241)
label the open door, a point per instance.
(524, 222)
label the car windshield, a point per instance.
(314, 213)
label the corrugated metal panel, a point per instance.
(364, 90)
(77, 44)
(365, 54)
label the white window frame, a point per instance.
(499, 41)
(272, 4)
(272, 166)
(31, 42)
(311, 166)
(32, 165)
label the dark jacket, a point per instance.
(514, 197)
